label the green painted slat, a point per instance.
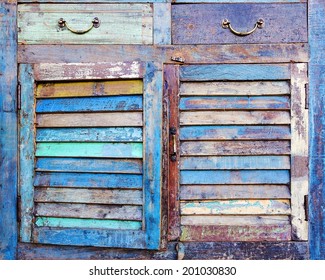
(87, 223)
(116, 150)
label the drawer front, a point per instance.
(118, 24)
(202, 23)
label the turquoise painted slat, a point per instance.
(86, 223)
(234, 132)
(131, 166)
(95, 134)
(116, 150)
(89, 237)
(26, 158)
(90, 104)
(235, 177)
(152, 169)
(235, 102)
(88, 180)
(235, 162)
(237, 72)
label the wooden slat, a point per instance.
(115, 150)
(91, 134)
(131, 166)
(26, 153)
(89, 119)
(88, 180)
(236, 233)
(238, 117)
(88, 211)
(162, 23)
(202, 192)
(234, 220)
(237, 72)
(229, 1)
(206, 177)
(90, 196)
(237, 207)
(232, 88)
(217, 148)
(86, 223)
(88, 71)
(91, 88)
(299, 151)
(235, 103)
(235, 132)
(235, 162)
(90, 104)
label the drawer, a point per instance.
(202, 23)
(118, 24)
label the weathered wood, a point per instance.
(91, 88)
(235, 132)
(91, 134)
(235, 162)
(119, 24)
(171, 80)
(233, 89)
(202, 23)
(75, 210)
(86, 223)
(87, 180)
(115, 150)
(130, 166)
(110, 1)
(90, 104)
(228, 1)
(162, 23)
(198, 192)
(237, 207)
(299, 151)
(89, 119)
(236, 233)
(90, 196)
(235, 148)
(27, 151)
(8, 128)
(88, 71)
(235, 103)
(206, 177)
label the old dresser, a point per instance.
(180, 128)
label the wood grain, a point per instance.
(162, 23)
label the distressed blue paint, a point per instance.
(90, 104)
(152, 169)
(235, 177)
(235, 102)
(8, 128)
(92, 134)
(87, 180)
(132, 166)
(233, 72)
(234, 132)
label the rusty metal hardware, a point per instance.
(177, 59)
(226, 24)
(173, 155)
(63, 23)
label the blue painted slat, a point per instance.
(234, 72)
(94, 134)
(235, 102)
(235, 177)
(131, 166)
(90, 104)
(234, 132)
(88, 180)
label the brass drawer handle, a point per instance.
(95, 23)
(258, 24)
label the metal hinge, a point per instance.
(18, 96)
(306, 205)
(306, 96)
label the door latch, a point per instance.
(173, 155)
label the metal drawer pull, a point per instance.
(258, 24)
(173, 155)
(95, 23)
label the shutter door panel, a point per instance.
(89, 154)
